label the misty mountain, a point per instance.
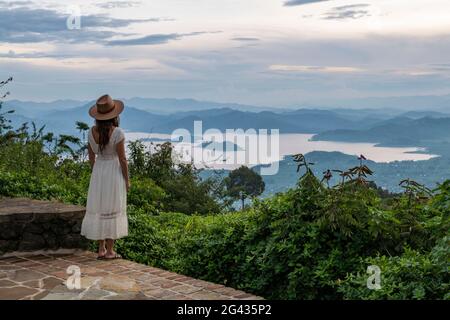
(33, 109)
(63, 121)
(170, 106)
(423, 114)
(164, 106)
(401, 131)
(134, 119)
(298, 121)
(365, 125)
(440, 103)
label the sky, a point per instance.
(276, 53)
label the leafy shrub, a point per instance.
(301, 244)
(147, 242)
(184, 190)
(146, 195)
(412, 275)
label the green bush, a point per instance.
(146, 195)
(412, 275)
(301, 244)
(22, 184)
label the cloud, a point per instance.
(31, 25)
(152, 39)
(313, 69)
(290, 3)
(245, 39)
(355, 11)
(441, 66)
(118, 4)
(10, 4)
(11, 54)
(155, 39)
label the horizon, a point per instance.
(273, 53)
(229, 104)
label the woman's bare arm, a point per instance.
(120, 148)
(91, 155)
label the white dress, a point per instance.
(106, 209)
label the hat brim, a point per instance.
(118, 108)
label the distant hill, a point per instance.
(134, 119)
(32, 109)
(423, 114)
(440, 103)
(63, 121)
(299, 121)
(170, 106)
(386, 175)
(413, 128)
(398, 131)
(153, 105)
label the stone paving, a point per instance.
(46, 277)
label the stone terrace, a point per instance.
(41, 248)
(43, 276)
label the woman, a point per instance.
(106, 216)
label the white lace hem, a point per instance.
(94, 228)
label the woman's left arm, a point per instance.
(120, 148)
(91, 155)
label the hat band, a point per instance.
(105, 108)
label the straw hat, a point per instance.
(106, 108)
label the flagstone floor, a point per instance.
(46, 277)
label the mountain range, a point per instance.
(399, 131)
(135, 119)
(153, 105)
(393, 128)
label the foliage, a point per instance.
(242, 183)
(309, 243)
(184, 190)
(412, 275)
(146, 195)
(5, 123)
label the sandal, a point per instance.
(116, 256)
(101, 257)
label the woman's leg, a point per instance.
(101, 248)
(110, 248)
(110, 253)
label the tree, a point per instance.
(185, 191)
(83, 128)
(5, 126)
(242, 183)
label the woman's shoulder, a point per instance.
(91, 130)
(118, 131)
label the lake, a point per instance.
(216, 157)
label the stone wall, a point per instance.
(30, 225)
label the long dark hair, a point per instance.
(103, 129)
